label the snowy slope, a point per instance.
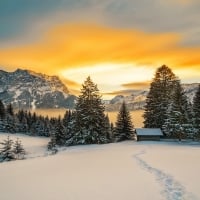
(34, 146)
(129, 170)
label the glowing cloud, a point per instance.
(77, 45)
(111, 56)
(137, 85)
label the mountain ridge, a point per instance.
(28, 89)
(136, 99)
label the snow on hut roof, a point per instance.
(149, 131)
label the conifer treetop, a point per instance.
(164, 74)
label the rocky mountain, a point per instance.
(190, 90)
(136, 99)
(27, 89)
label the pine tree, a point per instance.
(6, 152)
(67, 118)
(18, 150)
(52, 144)
(108, 127)
(60, 135)
(2, 116)
(67, 123)
(10, 120)
(2, 111)
(124, 126)
(159, 97)
(196, 111)
(38, 126)
(22, 121)
(9, 109)
(89, 123)
(29, 121)
(112, 131)
(178, 123)
(47, 127)
(10, 124)
(69, 130)
(23, 126)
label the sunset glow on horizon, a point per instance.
(117, 43)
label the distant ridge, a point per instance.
(136, 99)
(29, 90)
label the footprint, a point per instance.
(172, 190)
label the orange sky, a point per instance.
(117, 58)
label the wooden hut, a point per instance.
(148, 134)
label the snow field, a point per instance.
(127, 170)
(180, 164)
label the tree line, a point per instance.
(86, 124)
(168, 108)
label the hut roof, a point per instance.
(149, 132)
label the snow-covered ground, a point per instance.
(122, 171)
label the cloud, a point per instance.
(72, 86)
(78, 45)
(71, 83)
(119, 92)
(24, 21)
(181, 2)
(131, 88)
(125, 92)
(137, 85)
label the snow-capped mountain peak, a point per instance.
(28, 89)
(137, 98)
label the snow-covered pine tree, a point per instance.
(124, 128)
(39, 126)
(10, 120)
(22, 122)
(112, 132)
(89, 124)
(52, 144)
(29, 121)
(10, 124)
(6, 152)
(108, 127)
(159, 97)
(60, 134)
(47, 127)
(2, 111)
(70, 129)
(23, 126)
(196, 112)
(2, 116)
(177, 122)
(18, 150)
(67, 118)
(9, 109)
(67, 123)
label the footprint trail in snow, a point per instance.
(172, 189)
